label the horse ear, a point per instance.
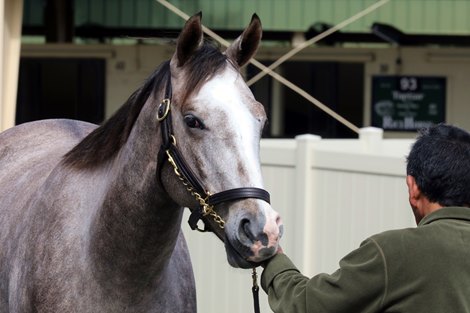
(245, 46)
(189, 40)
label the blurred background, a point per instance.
(82, 59)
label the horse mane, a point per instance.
(104, 142)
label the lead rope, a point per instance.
(255, 290)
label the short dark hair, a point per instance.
(440, 163)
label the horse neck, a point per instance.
(138, 225)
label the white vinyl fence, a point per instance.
(331, 194)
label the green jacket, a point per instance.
(417, 270)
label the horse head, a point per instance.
(216, 128)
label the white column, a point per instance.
(11, 15)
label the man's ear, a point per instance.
(413, 190)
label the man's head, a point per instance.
(439, 166)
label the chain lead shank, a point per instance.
(207, 209)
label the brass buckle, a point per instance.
(163, 109)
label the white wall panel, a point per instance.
(351, 206)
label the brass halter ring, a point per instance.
(163, 109)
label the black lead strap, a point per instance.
(255, 291)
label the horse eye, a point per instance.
(193, 122)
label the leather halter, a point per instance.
(169, 151)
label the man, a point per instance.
(418, 270)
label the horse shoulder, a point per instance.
(28, 154)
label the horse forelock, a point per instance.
(201, 66)
(104, 142)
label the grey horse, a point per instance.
(90, 219)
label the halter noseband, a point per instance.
(206, 200)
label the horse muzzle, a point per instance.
(252, 231)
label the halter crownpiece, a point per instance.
(206, 200)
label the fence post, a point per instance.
(303, 204)
(370, 138)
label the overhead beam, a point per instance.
(102, 33)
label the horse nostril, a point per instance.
(250, 233)
(245, 231)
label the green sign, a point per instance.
(407, 103)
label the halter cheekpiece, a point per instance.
(206, 200)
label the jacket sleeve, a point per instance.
(359, 285)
